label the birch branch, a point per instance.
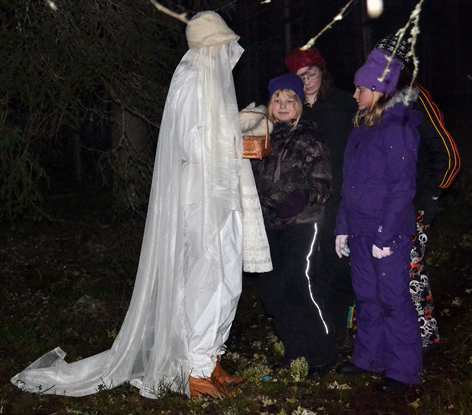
(181, 17)
(415, 31)
(336, 18)
(413, 22)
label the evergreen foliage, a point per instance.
(71, 71)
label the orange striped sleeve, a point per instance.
(436, 118)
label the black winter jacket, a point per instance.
(294, 182)
(334, 115)
(438, 157)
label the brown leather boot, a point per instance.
(201, 387)
(221, 377)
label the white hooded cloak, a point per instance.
(188, 281)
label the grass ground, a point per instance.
(68, 283)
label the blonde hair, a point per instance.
(373, 114)
(290, 94)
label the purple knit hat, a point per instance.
(368, 74)
(287, 81)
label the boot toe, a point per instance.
(204, 387)
(393, 386)
(349, 369)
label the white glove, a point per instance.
(341, 247)
(381, 253)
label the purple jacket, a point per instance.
(379, 178)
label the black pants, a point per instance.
(336, 272)
(293, 295)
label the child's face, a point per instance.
(284, 107)
(364, 97)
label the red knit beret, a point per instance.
(300, 58)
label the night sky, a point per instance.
(268, 30)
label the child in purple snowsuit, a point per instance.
(375, 223)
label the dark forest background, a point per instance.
(82, 88)
(83, 84)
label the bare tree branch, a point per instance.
(118, 101)
(413, 25)
(181, 17)
(336, 18)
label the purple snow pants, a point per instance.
(388, 339)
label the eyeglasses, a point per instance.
(310, 74)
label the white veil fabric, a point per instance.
(188, 280)
(256, 250)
